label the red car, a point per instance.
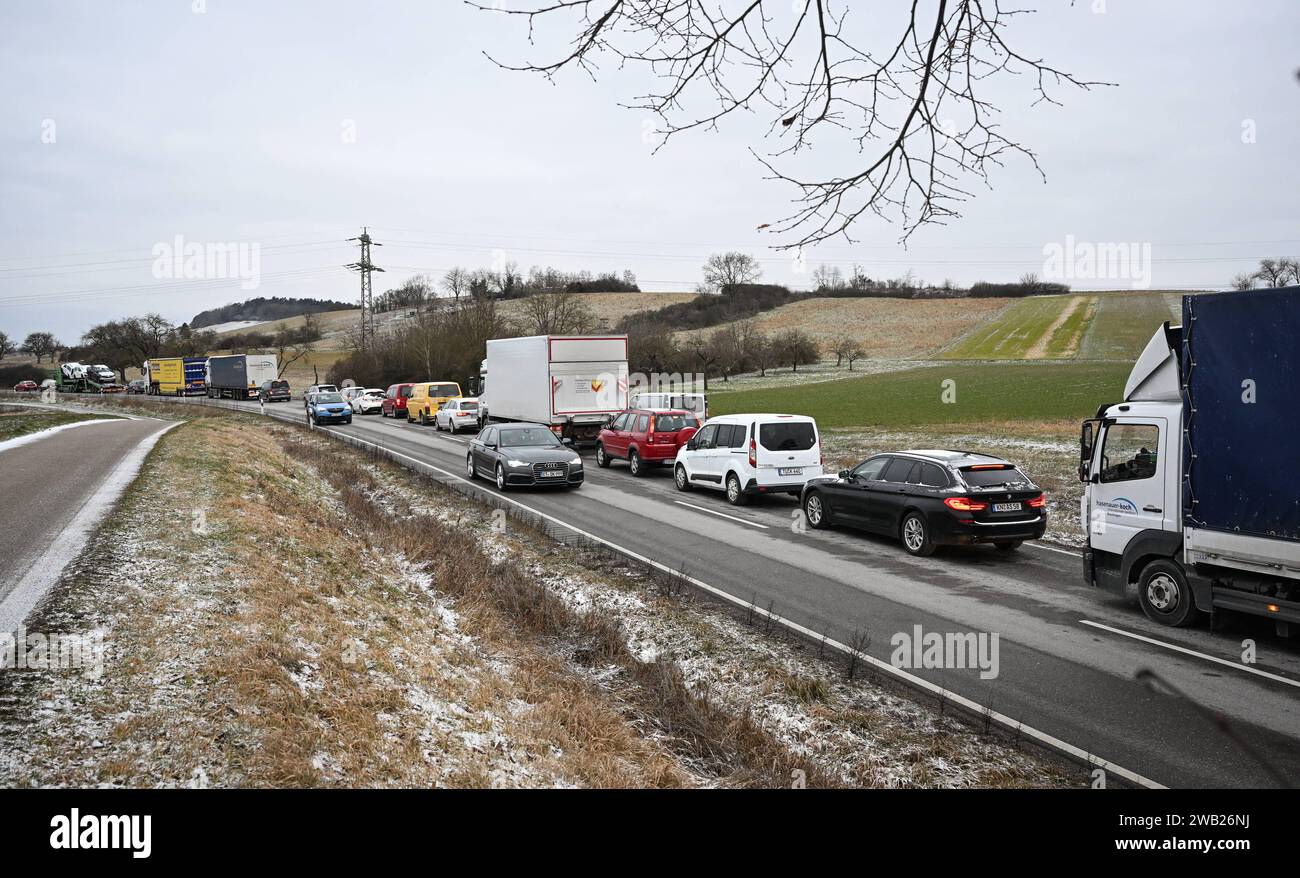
(394, 405)
(645, 436)
(26, 387)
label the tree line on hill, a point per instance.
(263, 309)
(506, 282)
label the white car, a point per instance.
(457, 414)
(365, 400)
(745, 455)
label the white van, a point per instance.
(751, 454)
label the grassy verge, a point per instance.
(19, 420)
(956, 394)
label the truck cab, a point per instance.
(1181, 505)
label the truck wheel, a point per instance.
(1165, 596)
(634, 463)
(916, 536)
(680, 479)
(602, 459)
(735, 496)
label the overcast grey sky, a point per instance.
(231, 125)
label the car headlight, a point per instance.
(577, 461)
(517, 462)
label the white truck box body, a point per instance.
(556, 379)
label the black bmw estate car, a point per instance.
(932, 498)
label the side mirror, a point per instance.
(566, 440)
(845, 474)
(691, 444)
(491, 445)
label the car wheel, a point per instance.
(916, 536)
(1007, 545)
(735, 496)
(1165, 596)
(469, 466)
(634, 463)
(348, 421)
(501, 477)
(424, 419)
(602, 459)
(814, 510)
(680, 479)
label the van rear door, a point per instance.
(787, 450)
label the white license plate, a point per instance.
(790, 471)
(551, 473)
(1006, 507)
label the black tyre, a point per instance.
(1007, 545)
(634, 463)
(1165, 596)
(602, 459)
(424, 419)
(815, 511)
(735, 494)
(679, 478)
(916, 535)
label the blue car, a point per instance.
(328, 408)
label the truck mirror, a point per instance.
(1085, 442)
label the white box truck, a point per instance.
(574, 383)
(239, 376)
(1190, 495)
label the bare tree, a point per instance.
(557, 314)
(759, 350)
(725, 271)
(38, 344)
(855, 352)
(795, 348)
(7, 345)
(456, 282)
(840, 347)
(1244, 281)
(1274, 272)
(1292, 268)
(914, 102)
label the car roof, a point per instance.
(761, 416)
(952, 457)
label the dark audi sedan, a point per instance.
(932, 498)
(523, 455)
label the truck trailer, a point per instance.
(1189, 496)
(572, 384)
(176, 376)
(239, 376)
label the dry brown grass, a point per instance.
(884, 327)
(610, 307)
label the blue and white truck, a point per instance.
(1191, 495)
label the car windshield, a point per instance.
(279, 384)
(322, 398)
(528, 437)
(787, 436)
(992, 476)
(673, 423)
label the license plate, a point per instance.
(1006, 507)
(551, 472)
(790, 471)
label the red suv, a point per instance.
(645, 436)
(394, 405)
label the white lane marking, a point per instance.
(1209, 658)
(1053, 549)
(47, 432)
(720, 514)
(71, 541)
(885, 667)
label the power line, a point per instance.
(366, 267)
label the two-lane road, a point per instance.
(56, 491)
(1067, 658)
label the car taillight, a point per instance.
(1037, 502)
(753, 452)
(964, 504)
